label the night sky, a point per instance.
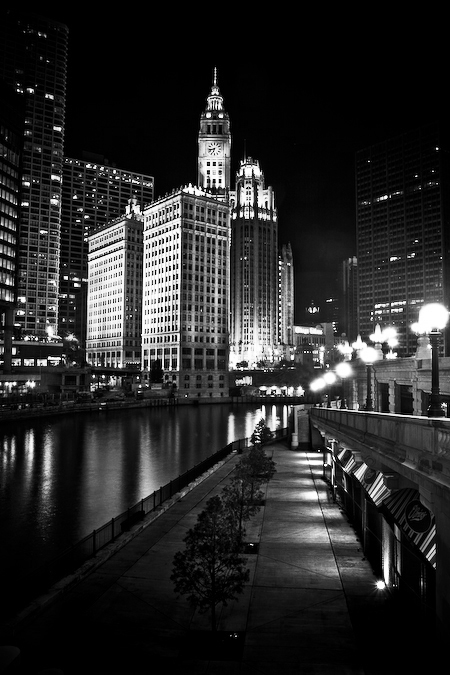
(303, 96)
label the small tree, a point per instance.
(239, 498)
(262, 434)
(210, 570)
(255, 468)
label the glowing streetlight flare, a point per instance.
(343, 369)
(358, 345)
(317, 384)
(369, 355)
(433, 316)
(330, 378)
(377, 336)
(346, 349)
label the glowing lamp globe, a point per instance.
(432, 317)
(329, 378)
(369, 355)
(318, 384)
(343, 369)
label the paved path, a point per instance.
(310, 607)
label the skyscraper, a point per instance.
(403, 249)
(93, 194)
(186, 269)
(114, 318)
(33, 62)
(253, 267)
(185, 292)
(11, 130)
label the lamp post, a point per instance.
(330, 378)
(377, 337)
(369, 355)
(388, 335)
(346, 349)
(358, 345)
(318, 384)
(432, 319)
(343, 370)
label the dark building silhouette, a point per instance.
(402, 237)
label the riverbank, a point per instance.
(71, 407)
(64, 477)
(310, 605)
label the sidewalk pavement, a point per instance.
(311, 606)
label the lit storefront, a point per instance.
(396, 529)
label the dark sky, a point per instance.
(301, 99)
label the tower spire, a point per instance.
(214, 143)
(215, 100)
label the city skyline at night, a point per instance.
(301, 112)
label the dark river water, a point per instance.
(62, 477)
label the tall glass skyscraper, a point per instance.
(94, 194)
(402, 232)
(11, 128)
(33, 63)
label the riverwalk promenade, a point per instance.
(311, 606)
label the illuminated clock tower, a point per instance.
(214, 145)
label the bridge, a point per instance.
(392, 474)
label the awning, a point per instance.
(346, 460)
(373, 482)
(414, 519)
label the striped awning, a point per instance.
(346, 460)
(373, 482)
(414, 519)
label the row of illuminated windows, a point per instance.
(164, 339)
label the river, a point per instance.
(62, 477)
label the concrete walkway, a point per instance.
(310, 607)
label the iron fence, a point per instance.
(74, 557)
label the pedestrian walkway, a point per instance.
(311, 606)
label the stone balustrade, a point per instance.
(404, 443)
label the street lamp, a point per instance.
(432, 319)
(318, 384)
(358, 345)
(330, 378)
(388, 335)
(343, 370)
(391, 339)
(346, 349)
(369, 355)
(377, 338)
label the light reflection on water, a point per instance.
(62, 477)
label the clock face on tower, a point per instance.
(214, 149)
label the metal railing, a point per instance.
(75, 556)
